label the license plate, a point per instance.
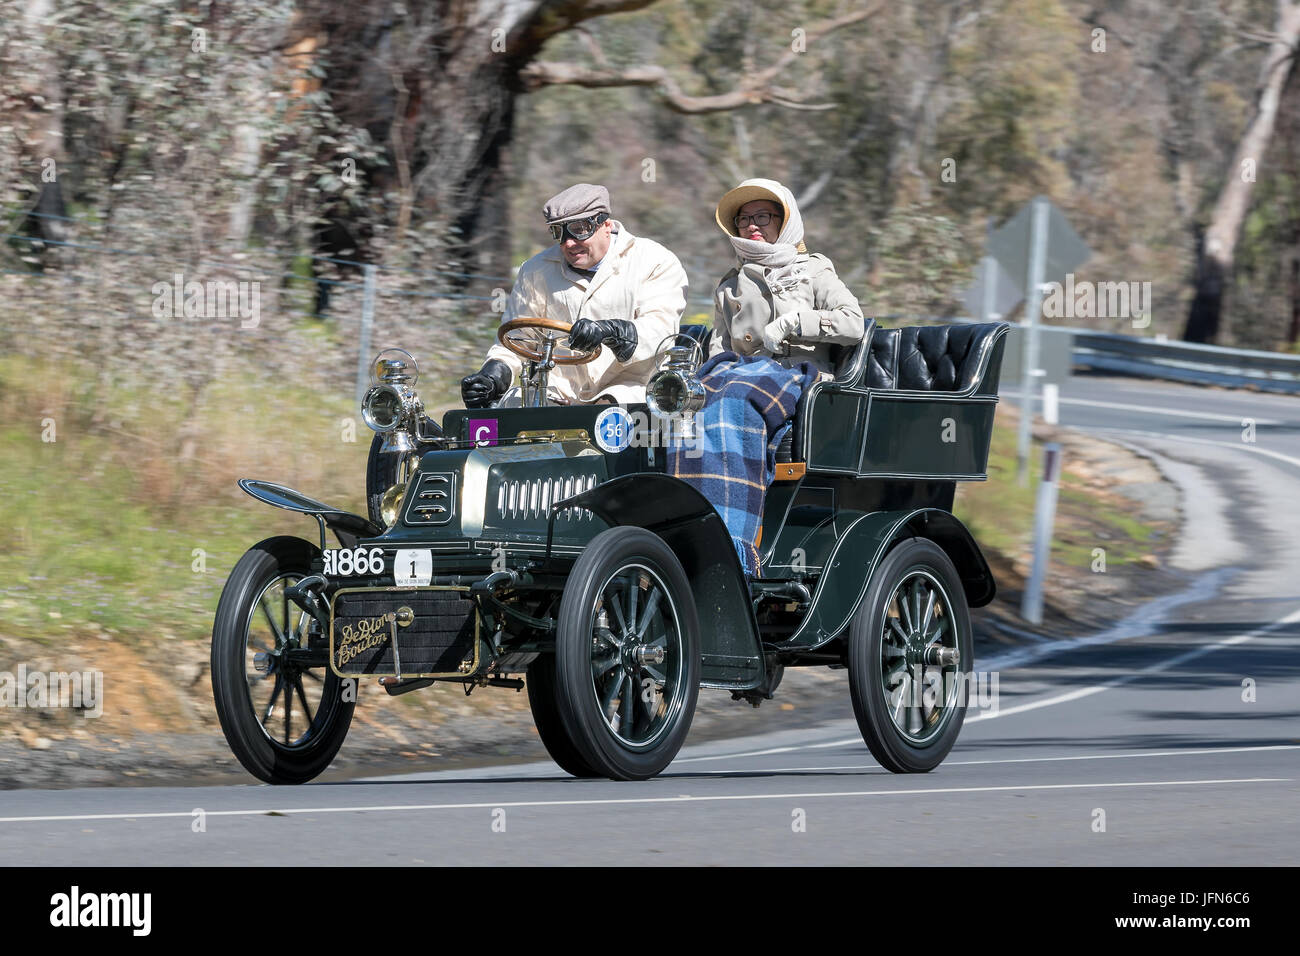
(354, 562)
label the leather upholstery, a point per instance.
(699, 333)
(882, 363)
(942, 358)
(850, 360)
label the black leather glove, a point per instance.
(618, 334)
(486, 385)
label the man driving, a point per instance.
(618, 290)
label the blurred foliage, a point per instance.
(220, 141)
(230, 146)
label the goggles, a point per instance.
(579, 229)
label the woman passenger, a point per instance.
(780, 300)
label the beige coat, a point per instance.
(638, 280)
(829, 313)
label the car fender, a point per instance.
(347, 527)
(852, 562)
(731, 654)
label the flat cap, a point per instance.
(577, 202)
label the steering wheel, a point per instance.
(526, 335)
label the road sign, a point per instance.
(1041, 245)
(1006, 290)
(1011, 244)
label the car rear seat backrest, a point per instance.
(930, 358)
(699, 333)
(939, 358)
(882, 363)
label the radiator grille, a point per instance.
(533, 497)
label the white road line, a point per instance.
(1194, 653)
(624, 801)
(1239, 446)
(769, 750)
(971, 763)
(1183, 658)
(1131, 407)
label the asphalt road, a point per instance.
(1171, 739)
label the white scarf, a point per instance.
(778, 256)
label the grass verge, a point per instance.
(122, 517)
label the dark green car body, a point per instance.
(503, 520)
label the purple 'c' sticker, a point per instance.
(483, 430)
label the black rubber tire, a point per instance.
(381, 469)
(542, 689)
(381, 473)
(580, 712)
(267, 759)
(870, 702)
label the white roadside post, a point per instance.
(988, 302)
(1031, 604)
(1029, 353)
(1051, 403)
(367, 319)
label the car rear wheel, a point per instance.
(283, 714)
(909, 646)
(627, 658)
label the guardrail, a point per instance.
(1186, 362)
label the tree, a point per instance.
(437, 82)
(40, 119)
(1217, 244)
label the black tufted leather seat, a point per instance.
(699, 333)
(882, 360)
(942, 358)
(929, 358)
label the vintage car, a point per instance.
(548, 541)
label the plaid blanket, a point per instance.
(748, 405)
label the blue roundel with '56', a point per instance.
(613, 429)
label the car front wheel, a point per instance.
(627, 658)
(284, 713)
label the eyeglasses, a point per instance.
(759, 219)
(580, 229)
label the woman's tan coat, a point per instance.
(829, 314)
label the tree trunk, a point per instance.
(48, 216)
(438, 82)
(1215, 251)
(1293, 328)
(483, 221)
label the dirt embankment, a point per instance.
(158, 723)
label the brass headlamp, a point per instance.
(390, 406)
(674, 393)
